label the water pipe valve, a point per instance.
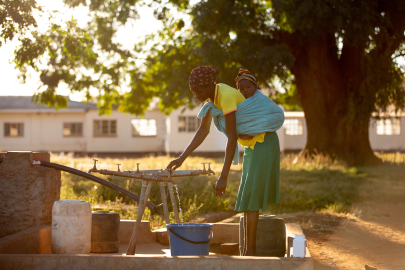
(94, 169)
(209, 169)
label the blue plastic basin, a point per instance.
(197, 233)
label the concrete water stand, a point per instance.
(31, 248)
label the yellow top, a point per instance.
(226, 99)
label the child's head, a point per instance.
(246, 83)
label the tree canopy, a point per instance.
(16, 16)
(336, 59)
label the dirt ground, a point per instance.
(374, 236)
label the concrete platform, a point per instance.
(150, 254)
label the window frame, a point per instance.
(187, 123)
(300, 127)
(13, 123)
(70, 129)
(101, 128)
(143, 136)
(391, 119)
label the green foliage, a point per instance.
(290, 99)
(16, 16)
(266, 36)
(338, 55)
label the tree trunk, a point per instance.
(336, 123)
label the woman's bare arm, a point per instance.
(199, 137)
(230, 126)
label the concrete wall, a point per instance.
(34, 240)
(178, 141)
(39, 241)
(27, 192)
(387, 142)
(43, 131)
(295, 142)
(378, 142)
(124, 141)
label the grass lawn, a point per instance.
(312, 185)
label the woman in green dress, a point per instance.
(261, 163)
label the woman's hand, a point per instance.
(220, 186)
(174, 164)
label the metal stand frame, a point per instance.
(148, 177)
(145, 191)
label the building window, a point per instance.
(293, 127)
(389, 126)
(188, 123)
(143, 127)
(105, 127)
(72, 129)
(13, 129)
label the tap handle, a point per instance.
(94, 169)
(137, 167)
(209, 169)
(119, 167)
(203, 163)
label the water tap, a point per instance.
(203, 163)
(94, 169)
(209, 169)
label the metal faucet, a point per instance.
(94, 169)
(209, 168)
(203, 163)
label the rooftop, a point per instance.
(25, 102)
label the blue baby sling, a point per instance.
(254, 115)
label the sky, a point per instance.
(10, 84)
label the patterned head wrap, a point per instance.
(244, 74)
(202, 76)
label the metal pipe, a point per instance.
(155, 178)
(165, 173)
(101, 181)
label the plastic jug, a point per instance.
(299, 246)
(71, 227)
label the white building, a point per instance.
(25, 126)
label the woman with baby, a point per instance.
(246, 116)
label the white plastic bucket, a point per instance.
(71, 227)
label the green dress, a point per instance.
(260, 181)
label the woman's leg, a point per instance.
(252, 219)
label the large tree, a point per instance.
(336, 58)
